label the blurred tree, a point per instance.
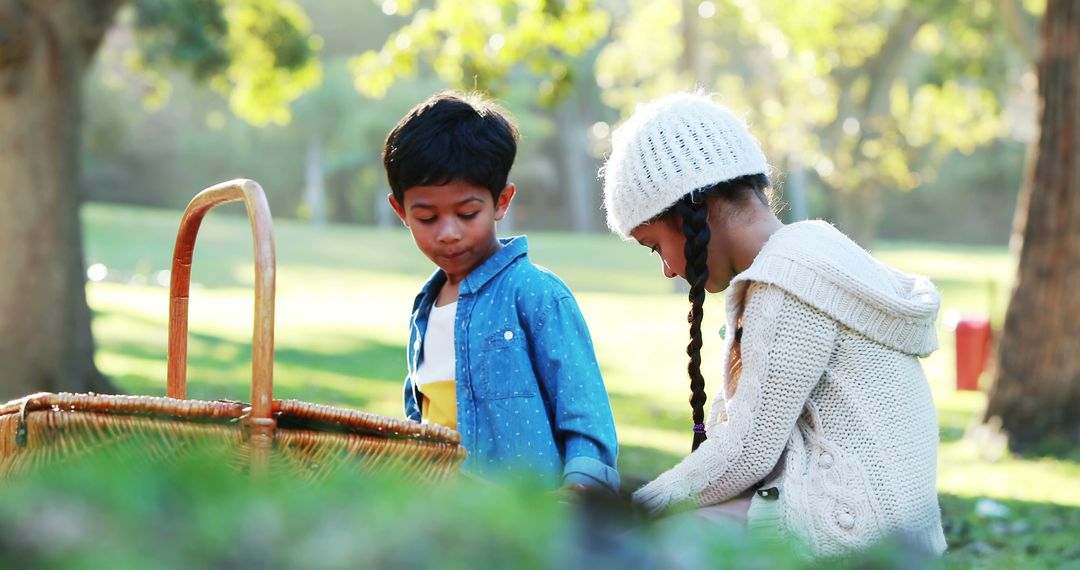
(477, 44)
(351, 131)
(256, 52)
(869, 95)
(484, 45)
(1036, 393)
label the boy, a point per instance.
(498, 348)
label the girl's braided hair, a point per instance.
(693, 211)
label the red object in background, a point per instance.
(972, 351)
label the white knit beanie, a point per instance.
(668, 148)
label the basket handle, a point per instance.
(262, 343)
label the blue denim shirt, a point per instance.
(530, 397)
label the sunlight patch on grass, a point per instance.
(960, 262)
(641, 341)
(321, 357)
(149, 372)
(963, 471)
(971, 466)
(353, 391)
(669, 441)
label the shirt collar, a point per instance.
(512, 248)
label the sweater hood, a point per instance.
(821, 266)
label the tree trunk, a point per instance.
(857, 206)
(691, 52)
(575, 171)
(1036, 392)
(314, 179)
(45, 339)
(795, 189)
(858, 212)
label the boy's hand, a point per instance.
(571, 492)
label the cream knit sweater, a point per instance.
(825, 400)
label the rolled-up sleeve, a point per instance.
(570, 378)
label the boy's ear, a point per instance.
(398, 208)
(503, 203)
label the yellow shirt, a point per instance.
(439, 405)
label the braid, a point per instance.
(693, 211)
(696, 228)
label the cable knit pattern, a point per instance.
(831, 406)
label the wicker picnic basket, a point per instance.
(268, 435)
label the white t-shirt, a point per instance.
(438, 364)
(435, 377)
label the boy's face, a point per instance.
(453, 224)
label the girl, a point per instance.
(825, 430)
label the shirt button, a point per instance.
(416, 344)
(770, 494)
(508, 335)
(845, 520)
(825, 461)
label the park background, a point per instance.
(909, 124)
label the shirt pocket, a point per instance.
(505, 368)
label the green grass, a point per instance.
(342, 307)
(121, 511)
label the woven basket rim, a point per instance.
(309, 416)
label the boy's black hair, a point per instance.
(450, 137)
(693, 210)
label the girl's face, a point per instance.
(665, 237)
(666, 241)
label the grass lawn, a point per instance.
(343, 298)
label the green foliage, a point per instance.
(124, 510)
(189, 34)
(258, 53)
(477, 45)
(193, 140)
(971, 201)
(352, 130)
(970, 43)
(820, 83)
(162, 158)
(870, 96)
(1023, 534)
(119, 508)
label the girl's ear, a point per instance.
(398, 208)
(503, 203)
